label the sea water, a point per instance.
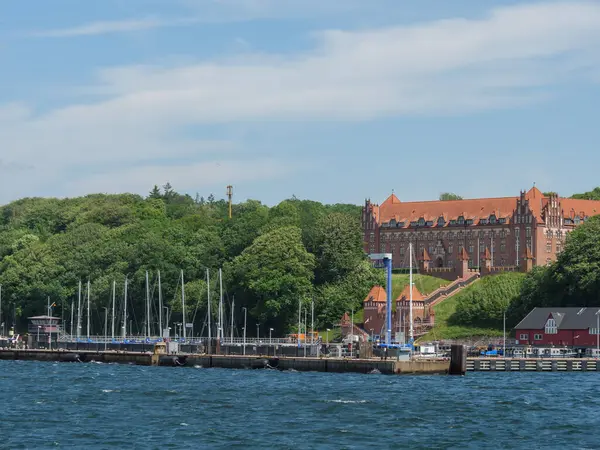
(105, 406)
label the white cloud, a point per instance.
(511, 58)
(116, 26)
(184, 177)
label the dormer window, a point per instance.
(414, 223)
(483, 221)
(502, 220)
(392, 222)
(577, 220)
(429, 223)
(441, 222)
(453, 222)
(551, 327)
(469, 221)
(492, 219)
(421, 222)
(461, 220)
(400, 225)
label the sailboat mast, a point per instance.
(72, 310)
(183, 305)
(160, 307)
(114, 289)
(79, 311)
(88, 308)
(220, 305)
(147, 306)
(125, 310)
(208, 305)
(410, 283)
(232, 321)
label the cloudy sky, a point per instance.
(332, 100)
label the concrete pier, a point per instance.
(338, 365)
(533, 365)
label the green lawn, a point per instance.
(442, 330)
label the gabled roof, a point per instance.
(475, 209)
(464, 256)
(405, 294)
(566, 318)
(377, 294)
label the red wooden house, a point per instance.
(572, 327)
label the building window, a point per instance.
(594, 330)
(460, 249)
(493, 219)
(558, 246)
(537, 337)
(401, 251)
(481, 247)
(517, 232)
(431, 248)
(551, 326)
(382, 248)
(471, 249)
(523, 337)
(371, 249)
(450, 248)
(527, 232)
(470, 263)
(502, 247)
(372, 237)
(548, 246)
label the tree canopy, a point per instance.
(444, 196)
(272, 257)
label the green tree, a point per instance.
(337, 246)
(274, 273)
(444, 196)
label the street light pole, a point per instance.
(270, 340)
(245, 311)
(327, 334)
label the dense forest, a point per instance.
(272, 258)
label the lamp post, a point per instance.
(38, 337)
(245, 311)
(327, 336)
(270, 340)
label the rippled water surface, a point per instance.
(100, 406)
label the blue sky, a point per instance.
(329, 100)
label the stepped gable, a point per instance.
(376, 294)
(470, 209)
(405, 294)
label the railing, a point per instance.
(189, 340)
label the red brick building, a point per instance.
(375, 312)
(573, 327)
(493, 234)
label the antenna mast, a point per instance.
(229, 196)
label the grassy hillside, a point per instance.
(489, 297)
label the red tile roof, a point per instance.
(405, 294)
(377, 294)
(474, 209)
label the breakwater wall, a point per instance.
(337, 365)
